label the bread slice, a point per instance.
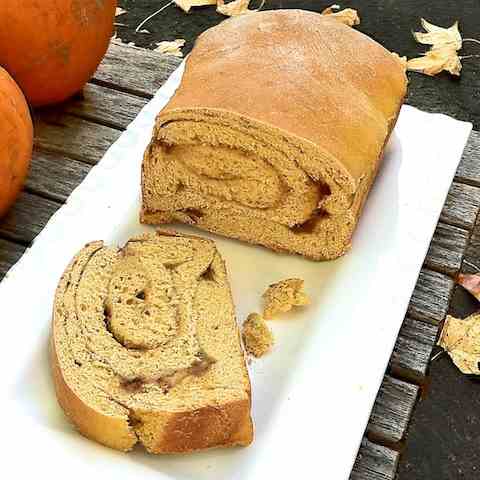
(145, 346)
(275, 133)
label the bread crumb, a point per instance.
(257, 337)
(282, 296)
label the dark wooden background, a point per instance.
(444, 436)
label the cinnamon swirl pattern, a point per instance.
(146, 347)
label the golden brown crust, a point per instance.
(114, 432)
(182, 432)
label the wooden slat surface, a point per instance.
(71, 139)
(9, 254)
(77, 138)
(447, 248)
(374, 462)
(412, 351)
(431, 297)
(135, 70)
(392, 411)
(55, 176)
(107, 106)
(469, 168)
(461, 206)
(27, 218)
(471, 263)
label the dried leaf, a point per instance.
(116, 39)
(471, 283)
(436, 60)
(348, 16)
(439, 36)
(461, 340)
(186, 5)
(331, 9)
(119, 11)
(237, 7)
(443, 52)
(171, 48)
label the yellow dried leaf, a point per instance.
(436, 60)
(118, 41)
(438, 36)
(348, 16)
(171, 48)
(461, 340)
(443, 51)
(186, 5)
(119, 11)
(331, 9)
(237, 7)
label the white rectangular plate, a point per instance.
(313, 394)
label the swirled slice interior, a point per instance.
(146, 346)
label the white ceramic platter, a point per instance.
(313, 394)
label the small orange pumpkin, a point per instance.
(16, 140)
(52, 47)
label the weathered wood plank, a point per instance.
(471, 262)
(461, 206)
(9, 253)
(54, 176)
(58, 132)
(469, 168)
(447, 248)
(105, 106)
(27, 217)
(392, 411)
(431, 296)
(412, 350)
(374, 462)
(135, 70)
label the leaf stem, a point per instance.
(473, 40)
(470, 264)
(469, 56)
(437, 355)
(153, 15)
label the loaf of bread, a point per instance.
(275, 133)
(145, 346)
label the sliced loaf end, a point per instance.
(145, 347)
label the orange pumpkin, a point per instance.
(52, 47)
(16, 140)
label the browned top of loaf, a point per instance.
(303, 73)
